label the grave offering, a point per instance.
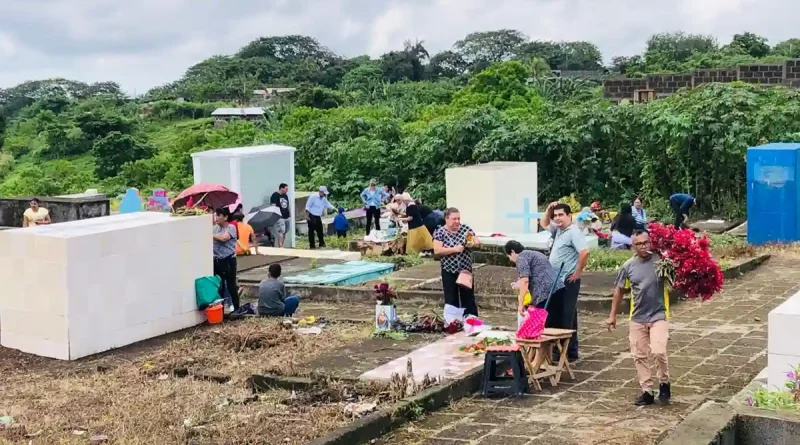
(101, 283)
(132, 202)
(158, 202)
(385, 310)
(254, 172)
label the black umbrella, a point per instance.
(263, 218)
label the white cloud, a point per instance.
(145, 43)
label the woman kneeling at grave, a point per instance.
(272, 299)
(452, 242)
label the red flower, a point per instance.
(696, 274)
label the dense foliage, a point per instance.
(405, 117)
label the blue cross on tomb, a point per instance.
(526, 216)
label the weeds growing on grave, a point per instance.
(138, 397)
(788, 398)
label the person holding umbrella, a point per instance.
(263, 218)
(225, 254)
(315, 209)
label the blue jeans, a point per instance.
(290, 305)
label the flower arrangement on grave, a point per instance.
(190, 211)
(686, 263)
(385, 310)
(786, 398)
(384, 294)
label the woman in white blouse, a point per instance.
(36, 215)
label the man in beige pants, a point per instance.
(649, 330)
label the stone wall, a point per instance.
(62, 209)
(787, 74)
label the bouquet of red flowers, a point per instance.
(384, 295)
(686, 264)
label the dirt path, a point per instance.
(716, 348)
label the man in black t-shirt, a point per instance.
(281, 200)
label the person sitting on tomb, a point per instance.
(35, 215)
(272, 299)
(622, 228)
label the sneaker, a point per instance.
(664, 393)
(645, 398)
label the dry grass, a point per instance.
(137, 397)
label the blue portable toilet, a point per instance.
(773, 201)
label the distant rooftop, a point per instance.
(252, 111)
(271, 91)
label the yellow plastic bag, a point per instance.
(527, 299)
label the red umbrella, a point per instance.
(208, 195)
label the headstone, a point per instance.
(497, 197)
(132, 202)
(158, 202)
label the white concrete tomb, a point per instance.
(253, 172)
(783, 348)
(497, 197)
(78, 288)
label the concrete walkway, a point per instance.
(716, 348)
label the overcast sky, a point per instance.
(144, 43)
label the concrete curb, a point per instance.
(711, 424)
(385, 420)
(747, 266)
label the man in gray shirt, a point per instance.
(272, 299)
(649, 330)
(570, 250)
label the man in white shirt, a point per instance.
(315, 209)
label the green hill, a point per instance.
(406, 116)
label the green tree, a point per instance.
(406, 64)
(481, 49)
(446, 64)
(788, 48)
(668, 50)
(317, 97)
(752, 44)
(116, 149)
(502, 86)
(628, 65)
(562, 55)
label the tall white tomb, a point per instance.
(497, 197)
(783, 349)
(253, 172)
(79, 288)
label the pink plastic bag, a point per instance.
(533, 325)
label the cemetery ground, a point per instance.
(194, 386)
